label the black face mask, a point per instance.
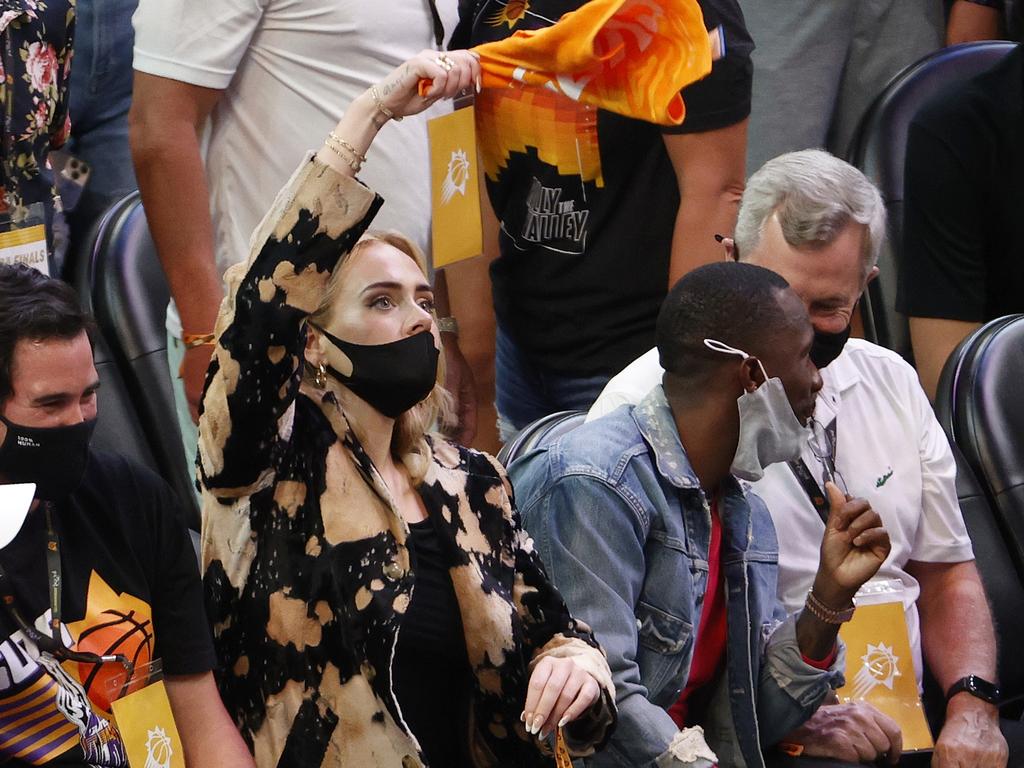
(391, 377)
(826, 347)
(53, 458)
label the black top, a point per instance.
(431, 672)
(585, 244)
(130, 585)
(963, 231)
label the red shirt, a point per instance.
(709, 645)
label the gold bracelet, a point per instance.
(828, 615)
(355, 153)
(338, 148)
(193, 340)
(380, 106)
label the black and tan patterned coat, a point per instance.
(307, 572)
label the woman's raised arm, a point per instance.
(254, 376)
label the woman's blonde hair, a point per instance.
(408, 443)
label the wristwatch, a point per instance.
(976, 686)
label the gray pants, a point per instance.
(819, 64)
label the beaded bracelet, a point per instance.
(828, 615)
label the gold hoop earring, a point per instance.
(320, 376)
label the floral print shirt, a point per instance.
(35, 56)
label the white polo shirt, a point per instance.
(289, 68)
(890, 450)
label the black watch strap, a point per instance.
(976, 686)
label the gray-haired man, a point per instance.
(820, 223)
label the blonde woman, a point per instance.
(375, 600)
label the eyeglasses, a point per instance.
(823, 446)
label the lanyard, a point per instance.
(52, 643)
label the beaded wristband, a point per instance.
(828, 615)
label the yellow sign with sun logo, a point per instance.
(880, 669)
(455, 187)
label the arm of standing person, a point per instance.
(973, 20)
(710, 168)
(165, 121)
(208, 736)
(946, 234)
(316, 219)
(458, 375)
(958, 639)
(470, 301)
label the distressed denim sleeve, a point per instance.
(790, 690)
(592, 541)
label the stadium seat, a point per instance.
(980, 405)
(879, 149)
(541, 432)
(128, 295)
(118, 427)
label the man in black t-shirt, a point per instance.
(598, 214)
(109, 536)
(963, 232)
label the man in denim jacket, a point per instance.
(636, 514)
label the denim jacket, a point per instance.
(623, 526)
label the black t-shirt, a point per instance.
(130, 585)
(431, 671)
(963, 228)
(588, 201)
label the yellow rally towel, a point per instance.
(627, 56)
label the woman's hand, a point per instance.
(450, 73)
(560, 691)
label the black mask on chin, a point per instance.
(391, 377)
(826, 347)
(54, 458)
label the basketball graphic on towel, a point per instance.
(114, 624)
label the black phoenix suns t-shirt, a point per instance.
(587, 199)
(130, 585)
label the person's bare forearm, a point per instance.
(970, 22)
(957, 635)
(172, 181)
(710, 169)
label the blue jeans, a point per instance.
(525, 393)
(101, 93)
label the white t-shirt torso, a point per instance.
(890, 450)
(288, 69)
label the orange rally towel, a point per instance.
(627, 56)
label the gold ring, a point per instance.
(445, 63)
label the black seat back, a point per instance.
(981, 403)
(129, 296)
(118, 427)
(879, 149)
(541, 432)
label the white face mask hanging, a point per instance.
(770, 431)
